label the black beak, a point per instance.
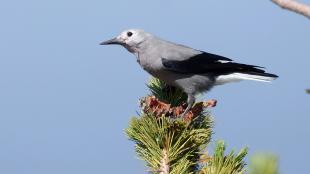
(110, 42)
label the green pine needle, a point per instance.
(182, 141)
(225, 164)
(165, 93)
(176, 147)
(264, 164)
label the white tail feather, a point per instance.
(235, 77)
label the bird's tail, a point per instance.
(257, 76)
(238, 76)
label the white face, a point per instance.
(132, 37)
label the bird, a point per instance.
(192, 70)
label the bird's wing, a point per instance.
(207, 63)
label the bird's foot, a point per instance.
(197, 109)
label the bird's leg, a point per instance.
(190, 103)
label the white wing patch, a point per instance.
(223, 61)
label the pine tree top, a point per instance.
(170, 145)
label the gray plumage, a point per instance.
(192, 70)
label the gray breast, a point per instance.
(150, 60)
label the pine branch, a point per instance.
(166, 144)
(170, 145)
(225, 164)
(294, 6)
(264, 164)
(164, 166)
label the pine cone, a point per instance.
(151, 104)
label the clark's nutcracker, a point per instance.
(192, 70)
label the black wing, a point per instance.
(208, 63)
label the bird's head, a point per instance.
(130, 39)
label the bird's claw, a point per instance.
(196, 109)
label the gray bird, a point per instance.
(191, 70)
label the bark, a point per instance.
(164, 167)
(294, 6)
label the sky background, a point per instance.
(65, 100)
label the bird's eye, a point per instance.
(129, 33)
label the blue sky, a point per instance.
(65, 100)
